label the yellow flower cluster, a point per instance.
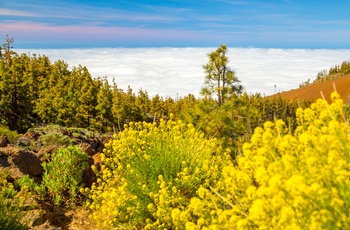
(150, 172)
(284, 179)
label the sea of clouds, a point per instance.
(176, 72)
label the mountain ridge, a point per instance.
(315, 90)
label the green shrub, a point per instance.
(50, 128)
(6, 189)
(55, 139)
(63, 175)
(11, 214)
(62, 178)
(149, 170)
(11, 135)
(25, 183)
(81, 133)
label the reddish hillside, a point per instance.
(313, 91)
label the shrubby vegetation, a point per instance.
(61, 185)
(12, 136)
(62, 178)
(11, 216)
(55, 138)
(234, 122)
(150, 170)
(284, 179)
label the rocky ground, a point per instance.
(26, 155)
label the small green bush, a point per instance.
(26, 183)
(6, 189)
(51, 128)
(63, 175)
(10, 216)
(55, 139)
(10, 211)
(62, 178)
(81, 133)
(11, 135)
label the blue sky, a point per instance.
(176, 23)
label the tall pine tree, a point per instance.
(220, 80)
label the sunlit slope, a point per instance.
(313, 91)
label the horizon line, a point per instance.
(176, 47)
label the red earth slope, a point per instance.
(313, 91)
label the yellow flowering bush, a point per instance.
(284, 179)
(150, 172)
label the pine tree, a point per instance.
(143, 103)
(87, 97)
(7, 50)
(220, 79)
(117, 109)
(15, 103)
(104, 118)
(52, 103)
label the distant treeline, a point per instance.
(333, 73)
(35, 91)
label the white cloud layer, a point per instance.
(178, 71)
